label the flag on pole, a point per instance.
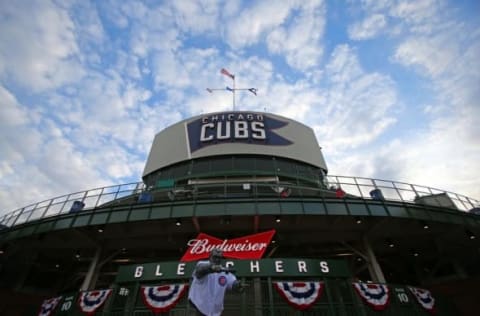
(253, 90)
(229, 89)
(226, 73)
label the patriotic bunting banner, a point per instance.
(375, 295)
(160, 299)
(301, 295)
(424, 298)
(48, 306)
(90, 301)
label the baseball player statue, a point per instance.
(209, 284)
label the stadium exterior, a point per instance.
(234, 177)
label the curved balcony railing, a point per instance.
(134, 193)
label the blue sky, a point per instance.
(391, 88)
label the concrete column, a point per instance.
(87, 282)
(373, 266)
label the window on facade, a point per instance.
(244, 163)
(222, 164)
(285, 166)
(264, 164)
(201, 166)
(180, 170)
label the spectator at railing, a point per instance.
(339, 193)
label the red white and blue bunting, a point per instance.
(90, 301)
(48, 306)
(160, 299)
(424, 298)
(375, 295)
(301, 295)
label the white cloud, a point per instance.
(434, 55)
(443, 152)
(40, 55)
(356, 108)
(294, 29)
(445, 156)
(417, 12)
(251, 24)
(196, 16)
(300, 40)
(37, 160)
(11, 114)
(368, 28)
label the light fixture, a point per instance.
(178, 222)
(273, 241)
(470, 235)
(101, 229)
(122, 260)
(358, 220)
(425, 225)
(57, 266)
(390, 243)
(414, 252)
(77, 255)
(277, 219)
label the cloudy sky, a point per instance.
(391, 88)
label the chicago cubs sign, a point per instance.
(243, 127)
(234, 133)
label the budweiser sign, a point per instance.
(248, 247)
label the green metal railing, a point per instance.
(133, 193)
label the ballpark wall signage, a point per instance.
(280, 267)
(234, 133)
(240, 127)
(247, 247)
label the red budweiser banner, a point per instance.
(248, 247)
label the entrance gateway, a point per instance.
(280, 286)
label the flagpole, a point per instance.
(225, 72)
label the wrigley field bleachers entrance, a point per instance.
(325, 285)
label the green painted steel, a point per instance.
(359, 193)
(203, 208)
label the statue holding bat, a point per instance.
(210, 282)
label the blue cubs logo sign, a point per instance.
(240, 127)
